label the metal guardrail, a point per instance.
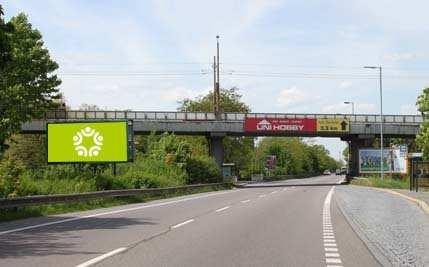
(228, 116)
(66, 198)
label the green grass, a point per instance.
(51, 209)
(393, 183)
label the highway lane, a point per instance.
(264, 226)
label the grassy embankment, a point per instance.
(387, 182)
(144, 172)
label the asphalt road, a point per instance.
(281, 224)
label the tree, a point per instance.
(89, 107)
(28, 149)
(237, 149)
(346, 154)
(230, 101)
(27, 86)
(5, 48)
(422, 139)
(294, 156)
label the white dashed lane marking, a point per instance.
(181, 224)
(101, 258)
(245, 201)
(222, 209)
(332, 256)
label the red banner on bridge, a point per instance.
(279, 125)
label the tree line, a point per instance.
(29, 88)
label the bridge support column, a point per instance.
(354, 145)
(216, 147)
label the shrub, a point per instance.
(10, 172)
(202, 169)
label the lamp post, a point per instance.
(353, 106)
(381, 117)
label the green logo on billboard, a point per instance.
(94, 146)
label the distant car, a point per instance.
(337, 172)
(326, 172)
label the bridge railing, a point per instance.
(229, 116)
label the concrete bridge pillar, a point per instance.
(216, 147)
(356, 143)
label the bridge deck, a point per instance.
(204, 123)
(228, 116)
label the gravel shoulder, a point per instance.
(395, 230)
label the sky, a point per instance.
(284, 56)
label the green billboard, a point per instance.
(88, 142)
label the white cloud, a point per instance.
(400, 56)
(345, 84)
(340, 107)
(287, 97)
(179, 93)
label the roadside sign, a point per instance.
(279, 125)
(333, 125)
(89, 142)
(393, 160)
(271, 162)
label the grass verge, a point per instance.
(373, 181)
(51, 209)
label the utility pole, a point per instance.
(216, 93)
(215, 105)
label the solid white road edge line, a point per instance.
(182, 223)
(113, 212)
(102, 257)
(222, 209)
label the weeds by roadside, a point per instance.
(375, 181)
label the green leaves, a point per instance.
(422, 139)
(27, 84)
(294, 156)
(423, 101)
(230, 101)
(238, 150)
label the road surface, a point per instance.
(282, 225)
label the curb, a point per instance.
(422, 204)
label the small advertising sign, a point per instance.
(333, 125)
(279, 125)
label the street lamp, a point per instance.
(353, 106)
(381, 117)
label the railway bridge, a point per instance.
(359, 130)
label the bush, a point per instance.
(10, 172)
(202, 169)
